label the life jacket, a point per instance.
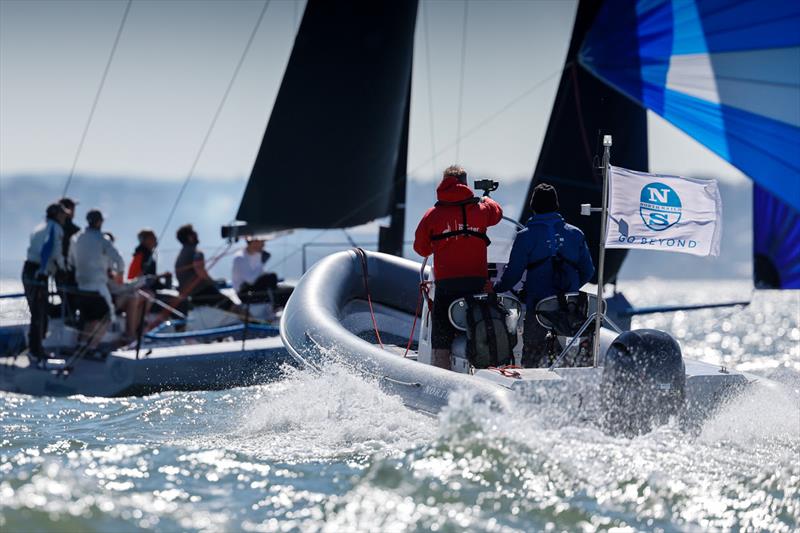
(464, 229)
(489, 343)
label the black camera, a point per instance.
(486, 186)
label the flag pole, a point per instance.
(598, 319)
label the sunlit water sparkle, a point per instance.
(331, 452)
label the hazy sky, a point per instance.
(175, 58)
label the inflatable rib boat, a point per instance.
(360, 309)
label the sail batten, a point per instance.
(332, 145)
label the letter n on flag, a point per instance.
(666, 213)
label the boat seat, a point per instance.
(564, 314)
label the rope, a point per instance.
(363, 256)
(507, 371)
(97, 97)
(461, 80)
(527, 92)
(471, 131)
(423, 290)
(215, 118)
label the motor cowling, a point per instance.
(644, 382)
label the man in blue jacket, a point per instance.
(557, 260)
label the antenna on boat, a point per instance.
(586, 209)
(598, 319)
(598, 316)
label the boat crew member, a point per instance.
(454, 231)
(70, 228)
(43, 259)
(193, 278)
(144, 262)
(250, 281)
(94, 258)
(65, 277)
(557, 260)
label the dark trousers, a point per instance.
(211, 296)
(261, 290)
(447, 292)
(534, 342)
(36, 295)
(68, 290)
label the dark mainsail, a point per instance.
(584, 109)
(334, 145)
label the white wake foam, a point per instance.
(317, 416)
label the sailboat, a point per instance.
(197, 347)
(361, 308)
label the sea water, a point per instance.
(332, 452)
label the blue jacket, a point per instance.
(546, 236)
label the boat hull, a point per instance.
(193, 367)
(317, 328)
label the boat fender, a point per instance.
(643, 383)
(489, 343)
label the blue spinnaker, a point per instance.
(727, 72)
(776, 242)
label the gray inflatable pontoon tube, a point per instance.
(313, 332)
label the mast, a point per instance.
(390, 238)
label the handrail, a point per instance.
(155, 334)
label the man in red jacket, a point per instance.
(454, 231)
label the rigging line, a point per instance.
(461, 81)
(527, 92)
(97, 97)
(430, 84)
(215, 118)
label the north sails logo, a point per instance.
(659, 206)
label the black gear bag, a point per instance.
(489, 343)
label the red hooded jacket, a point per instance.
(459, 256)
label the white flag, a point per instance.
(667, 213)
